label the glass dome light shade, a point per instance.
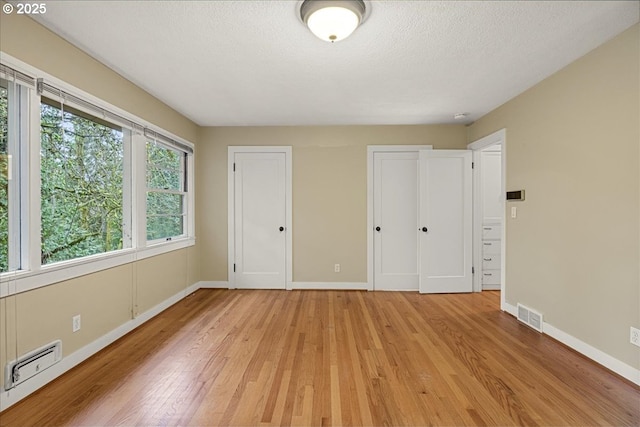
(333, 24)
(332, 20)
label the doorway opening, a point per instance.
(489, 157)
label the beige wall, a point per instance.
(109, 298)
(105, 300)
(329, 192)
(573, 145)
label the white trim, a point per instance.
(33, 182)
(629, 372)
(191, 195)
(16, 282)
(139, 190)
(164, 247)
(511, 309)
(330, 286)
(214, 284)
(371, 149)
(12, 396)
(498, 137)
(231, 151)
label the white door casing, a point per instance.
(445, 221)
(395, 220)
(478, 146)
(259, 218)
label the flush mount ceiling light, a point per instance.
(332, 20)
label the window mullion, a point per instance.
(13, 176)
(32, 236)
(24, 178)
(127, 192)
(139, 186)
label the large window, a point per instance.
(82, 166)
(166, 192)
(84, 185)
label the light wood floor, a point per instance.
(223, 357)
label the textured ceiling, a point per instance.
(411, 62)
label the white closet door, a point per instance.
(395, 221)
(445, 221)
(260, 220)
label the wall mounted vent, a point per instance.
(530, 317)
(32, 364)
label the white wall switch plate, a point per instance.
(514, 212)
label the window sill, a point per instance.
(22, 281)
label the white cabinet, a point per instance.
(491, 248)
(492, 213)
(491, 262)
(491, 232)
(490, 279)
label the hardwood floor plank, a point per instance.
(331, 358)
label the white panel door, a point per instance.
(445, 221)
(395, 217)
(260, 220)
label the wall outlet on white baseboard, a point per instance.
(76, 323)
(634, 336)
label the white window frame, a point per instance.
(126, 184)
(34, 275)
(183, 193)
(18, 183)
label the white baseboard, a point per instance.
(213, 284)
(511, 309)
(598, 356)
(19, 392)
(332, 286)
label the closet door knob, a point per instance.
(281, 228)
(424, 229)
(378, 228)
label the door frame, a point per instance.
(371, 149)
(498, 137)
(232, 150)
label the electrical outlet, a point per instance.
(336, 268)
(76, 323)
(634, 336)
